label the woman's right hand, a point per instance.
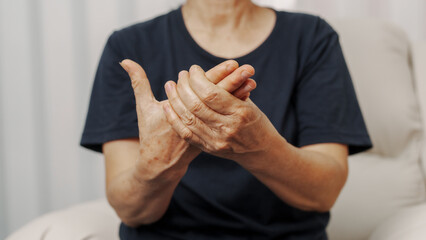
(163, 155)
(140, 193)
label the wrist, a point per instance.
(276, 146)
(160, 168)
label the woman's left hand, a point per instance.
(214, 120)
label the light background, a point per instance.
(49, 51)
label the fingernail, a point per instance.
(169, 87)
(180, 74)
(245, 74)
(229, 67)
(194, 68)
(124, 66)
(247, 88)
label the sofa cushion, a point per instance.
(376, 189)
(378, 55)
(407, 224)
(94, 220)
(388, 177)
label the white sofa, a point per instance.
(384, 197)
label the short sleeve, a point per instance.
(326, 103)
(112, 109)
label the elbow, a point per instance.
(130, 222)
(138, 220)
(319, 203)
(326, 200)
(131, 214)
(324, 205)
(135, 218)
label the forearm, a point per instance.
(140, 191)
(213, 120)
(305, 179)
(141, 194)
(138, 201)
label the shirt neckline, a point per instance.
(182, 27)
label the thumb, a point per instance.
(140, 82)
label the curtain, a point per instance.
(49, 50)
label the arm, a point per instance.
(141, 174)
(309, 178)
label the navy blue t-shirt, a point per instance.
(304, 88)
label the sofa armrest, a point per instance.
(407, 224)
(419, 67)
(90, 220)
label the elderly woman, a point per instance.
(205, 160)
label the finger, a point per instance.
(213, 96)
(245, 89)
(191, 101)
(186, 117)
(245, 97)
(219, 72)
(183, 131)
(184, 114)
(140, 82)
(237, 78)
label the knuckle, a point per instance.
(188, 119)
(222, 147)
(230, 133)
(244, 116)
(186, 134)
(235, 83)
(135, 83)
(174, 122)
(220, 127)
(173, 99)
(210, 95)
(226, 131)
(197, 107)
(135, 76)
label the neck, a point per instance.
(217, 14)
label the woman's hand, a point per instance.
(140, 191)
(309, 178)
(163, 153)
(214, 120)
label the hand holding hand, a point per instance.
(162, 151)
(214, 120)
